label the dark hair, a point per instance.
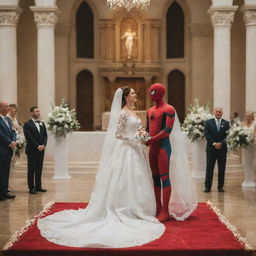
(13, 106)
(33, 108)
(126, 91)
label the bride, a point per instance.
(122, 208)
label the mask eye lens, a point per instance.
(153, 92)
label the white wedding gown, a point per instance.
(122, 206)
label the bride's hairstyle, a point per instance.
(126, 91)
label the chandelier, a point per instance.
(128, 4)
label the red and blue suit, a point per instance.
(160, 120)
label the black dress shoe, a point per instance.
(32, 191)
(8, 196)
(2, 198)
(207, 190)
(221, 190)
(41, 190)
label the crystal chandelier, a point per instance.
(128, 4)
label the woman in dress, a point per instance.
(249, 152)
(249, 122)
(12, 115)
(122, 207)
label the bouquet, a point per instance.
(195, 121)
(62, 120)
(238, 137)
(21, 143)
(142, 135)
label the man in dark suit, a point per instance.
(7, 145)
(216, 132)
(36, 137)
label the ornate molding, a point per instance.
(222, 17)
(9, 16)
(250, 18)
(129, 69)
(45, 16)
(249, 15)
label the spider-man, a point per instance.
(160, 122)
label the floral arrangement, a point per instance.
(238, 137)
(21, 143)
(142, 135)
(195, 121)
(62, 120)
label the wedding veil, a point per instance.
(110, 139)
(183, 199)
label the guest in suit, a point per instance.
(7, 145)
(216, 132)
(36, 137)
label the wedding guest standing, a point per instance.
(248, 157)
(235, 118)
(17, 127)
(7, 145)
(12, 114)
(36, 137)
(249, 122)
(216, 148)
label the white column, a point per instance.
(222, 17)
(250, 79)
(45, 19)
(9, 16)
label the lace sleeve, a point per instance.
(120, 131)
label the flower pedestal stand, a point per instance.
(248, 164)
(199, 158)
(61, 158)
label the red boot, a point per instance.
(164, 213)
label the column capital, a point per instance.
(222, 16)
(45, 16)
(249, 14)
(9, 15)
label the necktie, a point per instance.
(38, 125)
(6, 121)
(218, 126)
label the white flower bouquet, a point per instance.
(142, 135)
(195, 121)
(21, 143)
(238, 137)
(62, 120)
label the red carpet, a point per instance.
(201, 235)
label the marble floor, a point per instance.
(237, 204)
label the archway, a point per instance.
(84, 31)
(84, 100)
(175, 31)
(176, 92)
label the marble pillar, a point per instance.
(155, 35)
(222, 18)
(9, 16)
(45, 19)
(110, 35)
(250, 78)
(147, 41)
